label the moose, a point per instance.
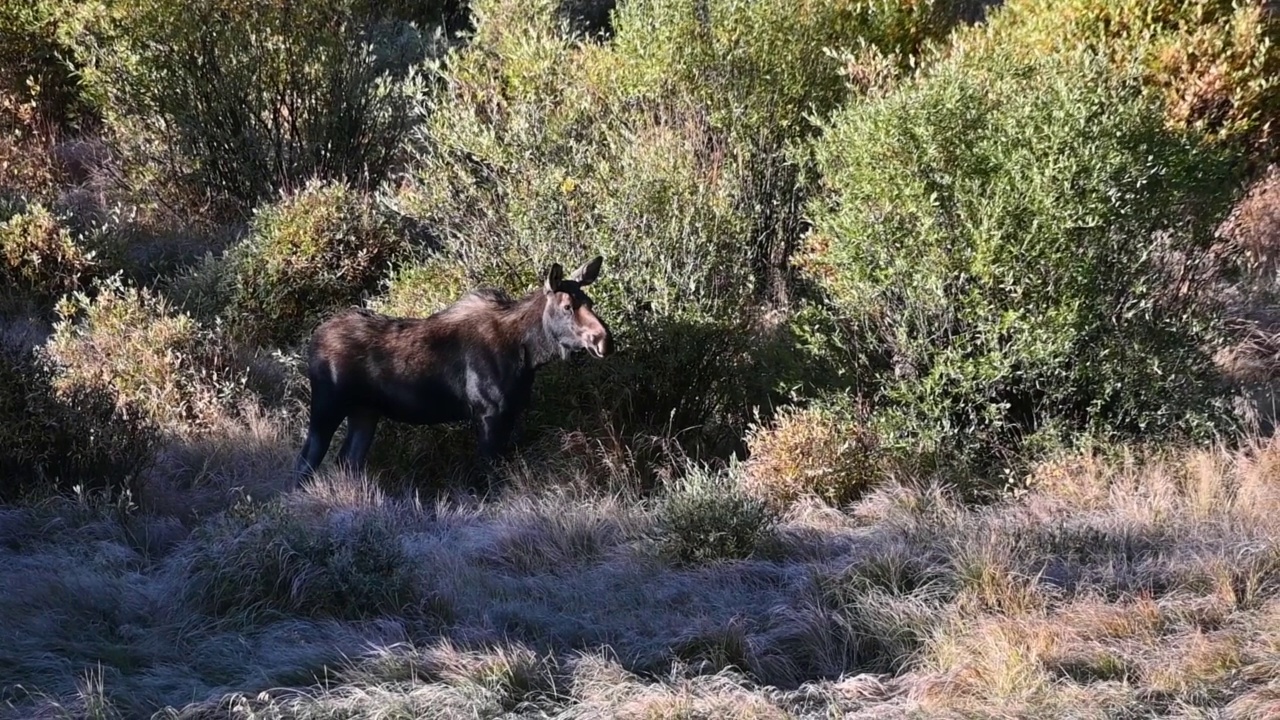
(474, 360)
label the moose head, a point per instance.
(568, 318)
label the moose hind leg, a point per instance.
(320, 432)
(361, 427)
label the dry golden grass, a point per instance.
(240, 456)
(1252, 231)
(1193, 634)
(811, 452)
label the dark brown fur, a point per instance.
(474, 360)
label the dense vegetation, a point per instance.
(946, 343)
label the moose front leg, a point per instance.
(495, 434)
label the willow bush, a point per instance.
(240, 99)
(1017, 239)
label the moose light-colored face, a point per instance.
(568, 315)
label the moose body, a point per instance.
(475, 360)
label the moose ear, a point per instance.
(554, 276)
(588, 273)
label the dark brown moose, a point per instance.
(473, 360)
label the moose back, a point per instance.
(474, 360)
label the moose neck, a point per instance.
(539, 347)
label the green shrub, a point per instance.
(204, 288)
(242, 98)
(1214, 64)
(273, 560)
(314, 252)
(54, 440)
(705, 518)
(38, 254)
(762, 72)
(40, 67)
(128, 341)
(760, 66)
(418, 289)
(1010, 234)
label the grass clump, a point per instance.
(816, 451)
(707, 518)
(515, 679)
(269, 560)
(314, 252)
(1021, 242)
